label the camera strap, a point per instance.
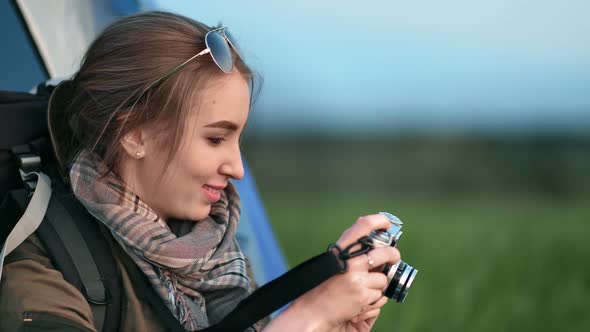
(294, 283)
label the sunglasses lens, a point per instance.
(234, 42)
(220, 51)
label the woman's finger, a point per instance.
(376, 280)
(374, 295)
(374, 258)
(363, 227)
(367, 315)
(378, 304)
(372, 307)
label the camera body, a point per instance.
(400, 275)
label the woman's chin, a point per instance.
(199, 213)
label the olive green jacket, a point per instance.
(34, 296)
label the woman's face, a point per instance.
(208, 157)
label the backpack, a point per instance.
(62, 225)
(39, 200)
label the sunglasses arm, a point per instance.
(179, 67)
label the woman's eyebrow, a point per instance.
(223, 124)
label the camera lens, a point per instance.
(401, 276)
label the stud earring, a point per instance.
(139, 154)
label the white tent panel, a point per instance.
(63, 29)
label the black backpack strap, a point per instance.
(145, 289)
(104, 260)
(11, 212)
(77, 248)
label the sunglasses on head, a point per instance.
(218, 42)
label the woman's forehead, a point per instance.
(225, 99)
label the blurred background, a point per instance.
(468, 119)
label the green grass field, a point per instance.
(486, 264)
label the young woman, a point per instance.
(150, 141)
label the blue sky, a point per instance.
(435, 65)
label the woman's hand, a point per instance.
(350, 301)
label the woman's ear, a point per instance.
(134, 143)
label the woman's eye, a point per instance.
(216, 140)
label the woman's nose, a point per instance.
(234, 167)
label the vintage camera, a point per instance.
(400, 275)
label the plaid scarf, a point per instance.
(199, 272)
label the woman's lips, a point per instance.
(212, 194)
